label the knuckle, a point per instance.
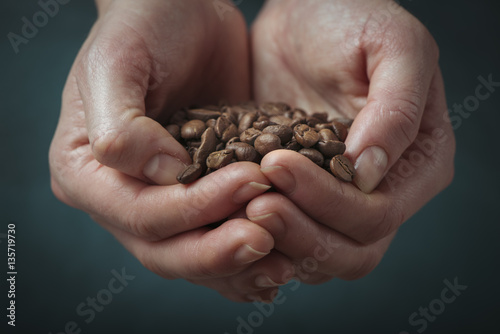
(150, 263)
(387, 221)
(109, 147)
(136, 223)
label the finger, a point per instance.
(257, 282)
(424, 170)
(201, 253)
(313, 247)
(157, 212)
(400, 70)
(113, 81)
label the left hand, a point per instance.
(373, 61)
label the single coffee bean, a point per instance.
(261, 123)
(233, 118)
(305, 136)
(266, 143)
(232, 140)
(193, 143)
(192, 152)
(193, 129)
(322, 126)
(284, 132)
(207, 146)
(321, 115)
(313, 155)
(243, 151)
(340, 130)
(327, 134)
(331, 148)
(230, 132)
(342, 168)
(297, 121)
(292, 145)
(299, 113)
(247, 120)
(281, 119)
(190, 174)
(219, 159)
(248, 136)
(220, 146)
(313, 121)
(221, 125)
(203, 114)
(174, 130)
(210, 123)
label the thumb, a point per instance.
(389, 123)
(113, 84)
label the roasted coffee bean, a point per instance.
(266, 143)
(342, 168)
(210, 123)
(194, 143)
(221, 125)
(219, 159)
(331, 148)
(192, 152)
(327, 134)
(281, 119)
(340, 130)
(298, 113)
(243, 151)
(284, 132)
(313, 121)
(229, 133)
(313, 155)
(232, 140)
(292, 145)
(179, 118)
(190, 174)
(305, 136)
(322, 126)
(203, 114)
(321, 115)
(220, 146)
(174, 130)
(261, 123)
(207, 146)
(247, 120)
(248, 136)
(193, 129)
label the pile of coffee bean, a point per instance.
(217, 136)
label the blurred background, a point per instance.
(63, 257)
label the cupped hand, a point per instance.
(111, 157)
(372, 61)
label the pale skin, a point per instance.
(143, 60)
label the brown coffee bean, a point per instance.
(313, 121)
(207, 146)
(248, 136)
(190, 174)
(313, 155)
(342, 168)
(247, 120)
(219, 159)
(266, 143)
(221, 125)
(193, 129)
(322, 126)
(203, 114)
(281, 120)
(192, 152)
(321, 115)
(233, 140)
(340, 130)
(220, 146)
(261, 123)
(284, 132)
(292, 145)
(327, 134)
(230, 132)
(193, 143)
(243, 151)
(305, 136)
(210, 123)
(174, 130)
(299, 113)
(331, 148)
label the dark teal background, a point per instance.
(63, 257)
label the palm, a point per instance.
(314, 65)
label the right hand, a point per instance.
(142, 61)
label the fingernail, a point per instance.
(280, 177)
(263, 281)
(246, 254)
(248, 191)
(370, 168)
(163, 169)
(273, 223)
